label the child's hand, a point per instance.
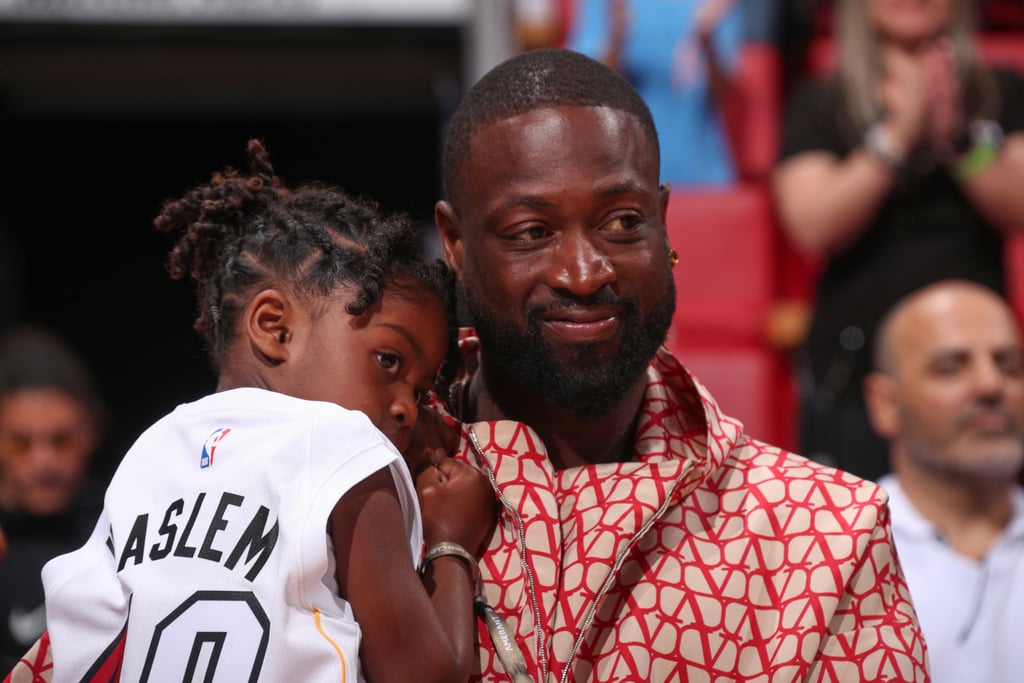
(457, 501)
(432, 440)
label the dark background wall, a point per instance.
(99, 124)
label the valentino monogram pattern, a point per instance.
(710, 558)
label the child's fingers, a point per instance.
(431, 476)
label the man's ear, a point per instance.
(269, 324)
(450, 230)
(882, 405)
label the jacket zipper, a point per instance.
(620, 557)
(530, 582)
(531, 585)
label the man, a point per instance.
(51, 424)
(643, 535)
(948, 396)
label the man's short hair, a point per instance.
(538, 79)
(34, 357)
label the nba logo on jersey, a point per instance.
(210, 446)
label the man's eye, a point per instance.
(63, 440)
(623, 223)
(16, 445)
(388, 360)
(530, 234)
(1011, 363)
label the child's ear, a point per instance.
(269, 324)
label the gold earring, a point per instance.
(673, 256)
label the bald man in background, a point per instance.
(947, 393)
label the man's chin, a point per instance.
(589, 357)
(47, 504)
(994, 457)
(585, 353)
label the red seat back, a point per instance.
(753, 116)
(725, 278)
(745, 382)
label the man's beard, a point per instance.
(970, 454)
(582, 378)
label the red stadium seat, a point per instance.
(821, 56)
(1013, 260)
(1003, 49)
(727, 283)
(745, 381)
(725, 278)
(1002, 15)
(753, 116)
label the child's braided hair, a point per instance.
(239, 234)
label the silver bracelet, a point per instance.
(879, 143)
(448, 548)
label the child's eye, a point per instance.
(388, 360)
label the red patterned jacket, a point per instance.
(711, 557)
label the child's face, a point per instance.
(381, 363)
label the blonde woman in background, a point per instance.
(904, 166)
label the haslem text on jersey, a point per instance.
(217, 534)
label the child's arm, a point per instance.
(413, 628)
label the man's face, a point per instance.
(46, 440)
(560, 245)
(959, 387)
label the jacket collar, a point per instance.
(680, 420)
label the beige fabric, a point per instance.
(711, 557)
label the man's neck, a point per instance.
(571, 440)
(970, 516)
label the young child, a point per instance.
(271, 530)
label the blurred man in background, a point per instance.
(51, 424)
(948, 395)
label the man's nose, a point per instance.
(580, 267)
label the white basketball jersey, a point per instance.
(211, 560)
